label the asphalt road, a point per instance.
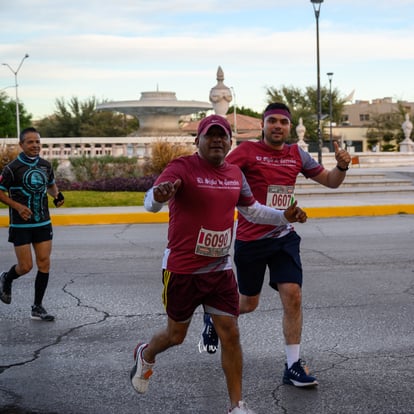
(105, 290)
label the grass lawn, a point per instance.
(99, 199)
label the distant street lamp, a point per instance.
(7, 87)
(15, 72)
(235, 109)
(330, 74)
(317, 7)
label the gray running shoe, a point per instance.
(5, 289)
(39, 313)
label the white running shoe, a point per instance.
(241, 409)
(141, 371)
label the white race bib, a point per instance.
(213, 243)
(280, 196)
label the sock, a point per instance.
(41, 282)
(11, 275)
(292, 354)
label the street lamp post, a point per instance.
(15, 72)
(234, 112)
(317, 7)
(330, 74)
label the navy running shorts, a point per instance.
(280, 255)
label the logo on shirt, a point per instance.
(275, 161)
(216, 182)
(35, 180)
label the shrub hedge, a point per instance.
(142, 184)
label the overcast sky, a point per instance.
(114, 50)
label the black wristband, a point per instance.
(58, 198)
(342, 169)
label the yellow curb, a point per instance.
(353, 211)
(162, 217)
(93, 219)
(120, 218)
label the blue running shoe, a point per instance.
(298, 375)
(209, 339)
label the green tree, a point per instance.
(8, 125)
(244, 111)
(80, 119)
(304, 104)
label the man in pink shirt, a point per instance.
(202, 191)
(271, 167)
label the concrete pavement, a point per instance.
(105, 290)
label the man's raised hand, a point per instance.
(295, 214)
(166, 190)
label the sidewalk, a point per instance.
(316, 207)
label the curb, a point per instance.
(353, 211)
(162, 217)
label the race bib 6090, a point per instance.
(213, 243)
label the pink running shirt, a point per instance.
(202, 214)
(264, 166)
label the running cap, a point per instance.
(209, 121)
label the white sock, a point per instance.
(292, 354)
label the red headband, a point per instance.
(277, 112)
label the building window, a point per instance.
(364, 117)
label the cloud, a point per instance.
(118, 49)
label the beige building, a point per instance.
(359, 115)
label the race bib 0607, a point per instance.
(213, 243)
(280, 196)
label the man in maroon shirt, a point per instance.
(271, 167)
(202, 191)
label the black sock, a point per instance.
(41, 282)
(11, 275)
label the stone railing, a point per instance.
(65, 148)
(140, 147)
(372, 159)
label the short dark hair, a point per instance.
(276, 105)
(25, 131)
